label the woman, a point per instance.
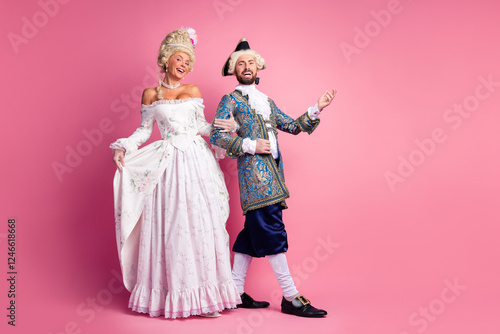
(171, 202)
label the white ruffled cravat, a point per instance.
(257, 100)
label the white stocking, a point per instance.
(240, 268)
(280, 269)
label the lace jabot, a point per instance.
(257, 100)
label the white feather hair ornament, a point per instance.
(192, 35)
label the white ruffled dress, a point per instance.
(171, 207)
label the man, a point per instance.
(260, 172)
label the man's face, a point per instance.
(246, 69)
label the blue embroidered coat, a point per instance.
(261, 182)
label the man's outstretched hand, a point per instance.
(325, 99)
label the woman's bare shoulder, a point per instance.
(193, 90)
(149, 95)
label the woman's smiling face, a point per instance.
(178, 65)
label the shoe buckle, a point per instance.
(303, 300)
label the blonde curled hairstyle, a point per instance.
(180, 40)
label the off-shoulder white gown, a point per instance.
(171, 207)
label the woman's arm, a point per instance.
(140, 136)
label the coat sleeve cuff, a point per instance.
(307, 124)
(234, 149)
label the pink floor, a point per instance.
(353, 314)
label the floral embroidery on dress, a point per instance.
(140, 184)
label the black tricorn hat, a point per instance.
(242, 45)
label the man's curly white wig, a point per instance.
(259, 61)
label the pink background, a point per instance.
(379, 255)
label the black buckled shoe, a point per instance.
(301, 307)
(249, 302)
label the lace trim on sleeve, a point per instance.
(123, 144)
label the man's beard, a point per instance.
(246, 81)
